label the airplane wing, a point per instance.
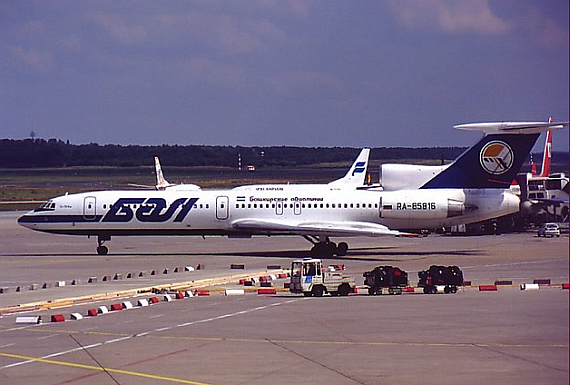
(315, 228)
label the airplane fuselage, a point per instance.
(204, 212)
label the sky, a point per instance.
(377, 73)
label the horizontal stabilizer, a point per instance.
(512, 127)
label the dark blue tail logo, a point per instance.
(496, 157)
(360, 167)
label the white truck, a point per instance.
(309, 277)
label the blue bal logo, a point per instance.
(497, 157)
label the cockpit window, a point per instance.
(48, 206)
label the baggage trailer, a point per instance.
(309, 277)
(440, 279)
(392, 278)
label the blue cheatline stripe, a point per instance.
(58, 218)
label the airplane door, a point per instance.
(89, 208)
(297, 208)
(279, 208)
(222, 208)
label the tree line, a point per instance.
(40, 153)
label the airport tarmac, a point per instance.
(504, 337)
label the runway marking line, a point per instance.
(148, 332)
(100, 369)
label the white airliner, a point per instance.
(163, 184)
(354, 178)
(475, 187)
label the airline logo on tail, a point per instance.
(496, 157)
(360, 167)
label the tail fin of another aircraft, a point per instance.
(496, 159)
(161, 183)
(356, 175)
(547, 157)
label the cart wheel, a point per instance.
(318, 291)
(371, 291)
(343, 290)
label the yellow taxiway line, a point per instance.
(102, 369)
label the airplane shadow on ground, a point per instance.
(374, 254)
(363, 254)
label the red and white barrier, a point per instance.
(76, 316)
(102, 310)
(266, 291)
(57, 318)
(232, 292)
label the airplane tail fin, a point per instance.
(161, 183)
(547, 157)
(496, 159)
(356, 175)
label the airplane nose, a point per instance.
(26, 220)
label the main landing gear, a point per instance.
(101, 239)
(324, 248)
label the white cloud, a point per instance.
(450, 16)
(299, 82)
(34, 58)
(545, 30)
(206, 70)
(118, 29)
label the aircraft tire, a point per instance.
(341, 249)
(102, 250)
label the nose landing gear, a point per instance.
(101, 239)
